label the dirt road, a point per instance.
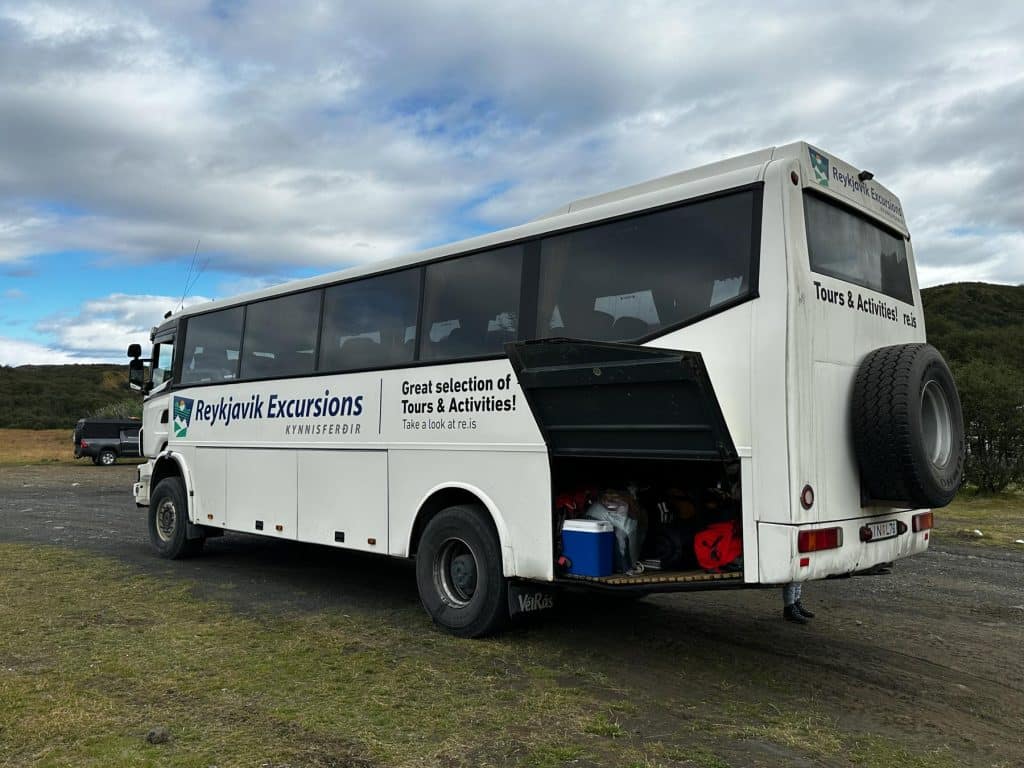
(931, 655)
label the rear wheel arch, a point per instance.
(442, 498)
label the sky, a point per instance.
(155, 154)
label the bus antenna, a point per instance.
(193, 274)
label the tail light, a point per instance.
(84, 443)
(923, 521)
(817, 540)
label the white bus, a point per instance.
(741, 344)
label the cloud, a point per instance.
(20, 352)
(319, 135)
(103, 328)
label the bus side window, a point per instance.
(624, 280)
(471, 304)
(212, 342)
(370, 323)
(280, 336)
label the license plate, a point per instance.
(883, 530)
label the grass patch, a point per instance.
(94, 655)
(19, 447)
(602, 725)
(999, 517)
(36, 446)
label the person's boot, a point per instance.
(803, 611)
(790, 613)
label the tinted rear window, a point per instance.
(848, 247)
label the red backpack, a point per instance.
(718, 545)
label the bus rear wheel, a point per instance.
(459, 573)
(168, 521)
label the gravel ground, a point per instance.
(931, 655)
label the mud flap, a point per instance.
(193, 532)
(526, 598)
(601, 399)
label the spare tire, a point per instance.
(908, 427)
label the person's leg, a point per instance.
(799, 603)
(789, 597)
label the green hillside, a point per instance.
(979, 329)
(977, 322)
(56, 396)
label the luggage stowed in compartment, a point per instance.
(588, 545)
(676, 525)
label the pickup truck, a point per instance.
(103, 440)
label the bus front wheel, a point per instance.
(459, 573)
(168, 521)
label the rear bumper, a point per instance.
(780, 561)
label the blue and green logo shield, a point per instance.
(820, 165)
(182, 416)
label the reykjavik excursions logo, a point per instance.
(182, 416)
(820, 165)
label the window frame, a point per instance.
(529, 286)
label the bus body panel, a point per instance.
(834, 324)
(340, 503)
(768, 494)
(257, 455)
(514, 487)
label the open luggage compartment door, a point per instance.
(621, 400)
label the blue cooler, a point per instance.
(589, 545)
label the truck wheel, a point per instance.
(908, 427)
(459, 573)
(107, 457)
(168, 521)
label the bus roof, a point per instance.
(820, 170)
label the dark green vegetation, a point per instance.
(56, 396)
(979, 329)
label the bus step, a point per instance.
(654, 577)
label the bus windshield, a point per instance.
(848, 247)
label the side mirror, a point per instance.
(136, 373)
(134, 350)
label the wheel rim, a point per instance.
(936, 425)
(166, 520)
(107, 458)
(455, 573)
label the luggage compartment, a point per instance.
(636, 436)
(676, 509)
